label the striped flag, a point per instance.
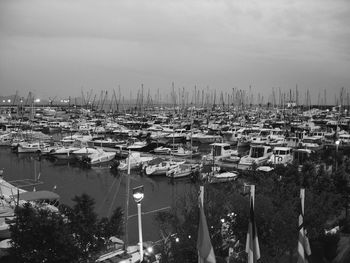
(303, 241)
(252, 244)
(205, 249)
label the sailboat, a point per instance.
(213, 173)
(185, 153)
(183, 170)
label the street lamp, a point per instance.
(138, 194)
(336, 154)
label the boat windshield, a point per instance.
(257, 152)
(265, 133)
(311, 140)
(217, 151)
(280, 152)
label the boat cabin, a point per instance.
(301, 155)
(259, 151)
(281, 155)
(220, 149)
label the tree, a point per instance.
(68, 235)
(276, 213)
(112, 226)
(83, 223)
(41, 235)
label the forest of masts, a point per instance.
(182, 98)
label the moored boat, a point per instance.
(281, 155)
(258, 155)
(99, 157)
(160, 166)
(182, 170)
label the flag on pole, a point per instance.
(303, 241)
(205, 249)
(252, 244)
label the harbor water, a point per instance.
(108, 190)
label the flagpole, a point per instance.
(205, 249)
(201, 194)
(201, 200)
(252, 243)
(303, 241)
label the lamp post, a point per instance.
(137, 194)
(336, 154)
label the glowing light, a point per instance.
(37, 100)
(8, 100)
(138, 194)
(150, 249)
(222, 220)
(177, 240)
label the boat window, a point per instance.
(257, 152)
(269, 150)
(265, 133)
(301, 157)
(227, 147)
(311, 140)
(217, 151)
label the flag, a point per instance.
(252, 244)
(303, 241)
(205, 249)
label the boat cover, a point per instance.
(38, 195)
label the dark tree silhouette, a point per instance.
(39, 235)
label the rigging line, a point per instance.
(115, 196)
(106, 197)
(150, 212)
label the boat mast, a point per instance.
(191, 132)
(126, 241)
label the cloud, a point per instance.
(224, 42)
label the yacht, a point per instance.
(178, 136)
(64, 152)
(34, 147)
(313, 143)
(281, 155)
(99, 157)
(214, 174)
(182, 170)
(162, 150)
(137, 145)
(160, 166)
(85, 151)
(258, 154)
(6, 139)
(206, 138)
(136, 160)
(185, 153)
(219, 151)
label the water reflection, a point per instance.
(109, 191)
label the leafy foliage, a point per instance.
(276, 212)
(40, 235)
(71, 235)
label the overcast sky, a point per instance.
(56, 47)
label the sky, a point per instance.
(61, 47)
